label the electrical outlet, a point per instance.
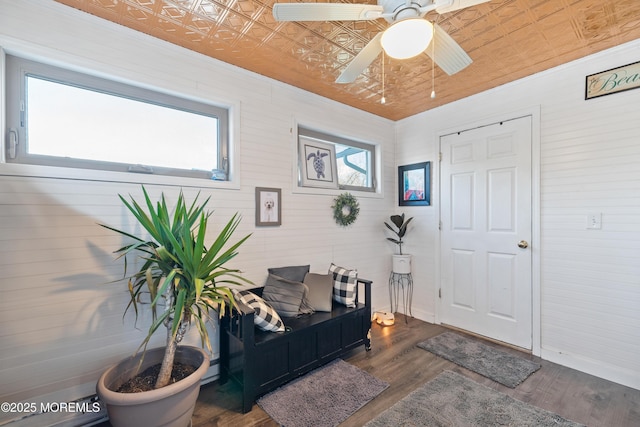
(594, 221)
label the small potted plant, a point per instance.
(401, 262)
(183, 278)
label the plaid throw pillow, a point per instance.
(265, 317)
(344, 285)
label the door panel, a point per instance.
(463, 283)
(501, 196)
(501, 279)
(462, 186)
(485, 211)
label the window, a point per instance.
(355, 161)
(57, 117)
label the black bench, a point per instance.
(262, 361)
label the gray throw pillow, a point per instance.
(320, 290)
(293, 272)
(285, 296)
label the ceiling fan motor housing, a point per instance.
(398, 10)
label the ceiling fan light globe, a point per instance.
(407, 38)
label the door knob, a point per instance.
(523, 244)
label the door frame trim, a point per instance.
(534, 113)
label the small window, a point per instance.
(57, 117)
(354, 160)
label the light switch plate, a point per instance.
(594, 221)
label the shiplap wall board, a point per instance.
(61, 322)
(589, 280)
(55, 258)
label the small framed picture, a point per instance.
(318, 164)
(268, 207)
(414, 184)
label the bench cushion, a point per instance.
(298, 325)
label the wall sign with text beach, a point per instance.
(613, 81)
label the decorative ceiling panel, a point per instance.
(507, 40)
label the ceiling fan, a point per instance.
(408, 35)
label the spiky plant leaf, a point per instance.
(178, 268)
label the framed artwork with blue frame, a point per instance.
(414, 184)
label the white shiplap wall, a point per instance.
(60, 326)
(588, 303)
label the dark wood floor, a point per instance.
(396, 359)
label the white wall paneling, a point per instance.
(60, 325)
(588, 279)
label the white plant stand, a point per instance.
(400, 280)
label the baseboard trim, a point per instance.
(596, 368)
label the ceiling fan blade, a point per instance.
(326, 11)
(459, 4)
(448, 54)
(361, 61)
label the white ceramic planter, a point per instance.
(170, 406)
(401, 264)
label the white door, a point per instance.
(486, 283)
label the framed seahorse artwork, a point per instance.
(317, 164)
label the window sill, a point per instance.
(336, 191)
(52, 172)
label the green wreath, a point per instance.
(345, 209)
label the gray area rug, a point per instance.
(324, 397)
(500, 366)
(453, 400)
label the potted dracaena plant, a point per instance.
(183, 277)
(401, 263)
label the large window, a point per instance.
(57, 117)
(354, 160)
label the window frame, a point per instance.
(18, 68)
(372, 176)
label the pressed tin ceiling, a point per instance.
(507, 40)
